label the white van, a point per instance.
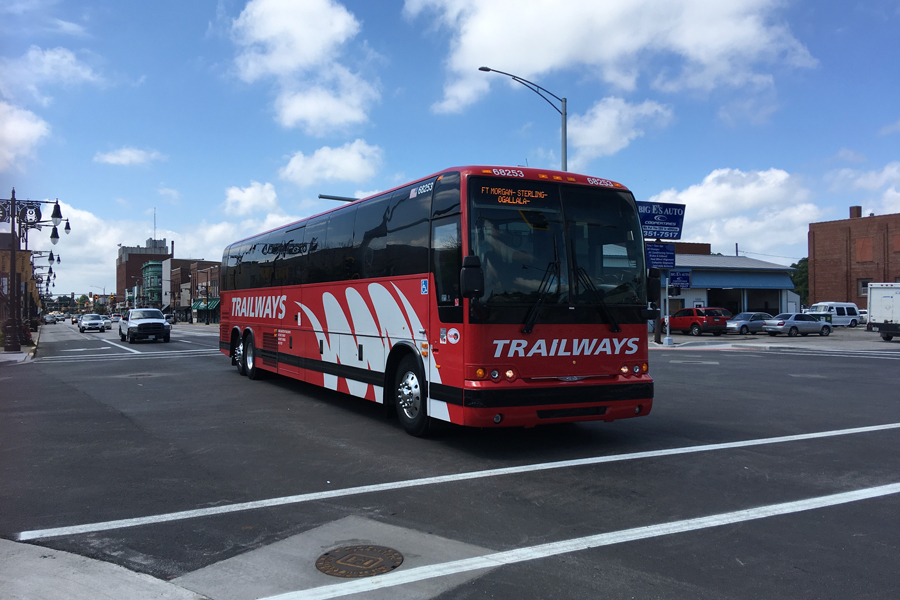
(837, 313)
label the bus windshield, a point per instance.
(568, 245)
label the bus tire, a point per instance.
(251, 365)
(410, 397)
(238, 356)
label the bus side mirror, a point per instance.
(471, 278)
(654, 285)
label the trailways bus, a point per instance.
(481, 296)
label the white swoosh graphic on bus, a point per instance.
(396, 324)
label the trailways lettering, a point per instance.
(265, 307)
(558, 347)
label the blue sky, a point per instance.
(230, 117)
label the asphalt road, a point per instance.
(751, 478)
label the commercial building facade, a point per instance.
(846, 255)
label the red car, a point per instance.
(697, 321)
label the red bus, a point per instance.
(482, 296)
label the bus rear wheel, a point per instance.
(238, 357)
(252, 369)
(410, 398)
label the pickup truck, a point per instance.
(144, 324)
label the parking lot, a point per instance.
(767, 469)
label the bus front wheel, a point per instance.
(410, 398)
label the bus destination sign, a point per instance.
(504, 195)
(661, 220)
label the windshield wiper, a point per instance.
(544, 289)
(582, 277)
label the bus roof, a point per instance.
(496, 171)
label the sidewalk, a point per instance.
(36, 573)
(27, 352)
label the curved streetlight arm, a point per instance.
(530, 85)
(537, 90)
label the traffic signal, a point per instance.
(90, 294)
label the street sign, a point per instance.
(680, 279)
(661, 220)
(660, 256)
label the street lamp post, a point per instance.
(537, 90)
(28, 215)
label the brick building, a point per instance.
(130, 263)
(845, 256)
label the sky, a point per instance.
(204, 122)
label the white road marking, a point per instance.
(695, 362)
(85, 349)
(132, 350)
(120, 357)
(410, 483)
(509, 557)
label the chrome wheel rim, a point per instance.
(248, 353)
(409, 395)
(239, 353)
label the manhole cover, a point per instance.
(359, 561)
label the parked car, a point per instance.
(863, 316)
(836, 313)
(171, 319)
(747, 322)
(49, 320)
(697, 321)
(107, 321)
(795, 324)
(91, 321)
(144, 324)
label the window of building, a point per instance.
(862, 287)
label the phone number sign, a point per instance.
(661, 220)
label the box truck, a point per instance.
(884, 310)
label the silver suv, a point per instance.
(144, 324)
(91, 322)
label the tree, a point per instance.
(801, 279)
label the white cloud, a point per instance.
(20, 132)
(892, 128)
(55, 66)
(676, 44)
(850, 155)
(610, 125)
(323, 108)
(128, 156)
(865, 180)
(257, 197)
(299, 44)
(172, 194)
(887, 181)
(355, 161)
(760, 210)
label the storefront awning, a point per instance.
(750, 280)
(201, 304)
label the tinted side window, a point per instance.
(250, 274)
(851, 311)
(840, 311)
(281, 252)
(446, 262)
(338, 259)
(446, 195)
(293, 257)
(370, 237)
(408, 233)
(684, 312)
(316, 266)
